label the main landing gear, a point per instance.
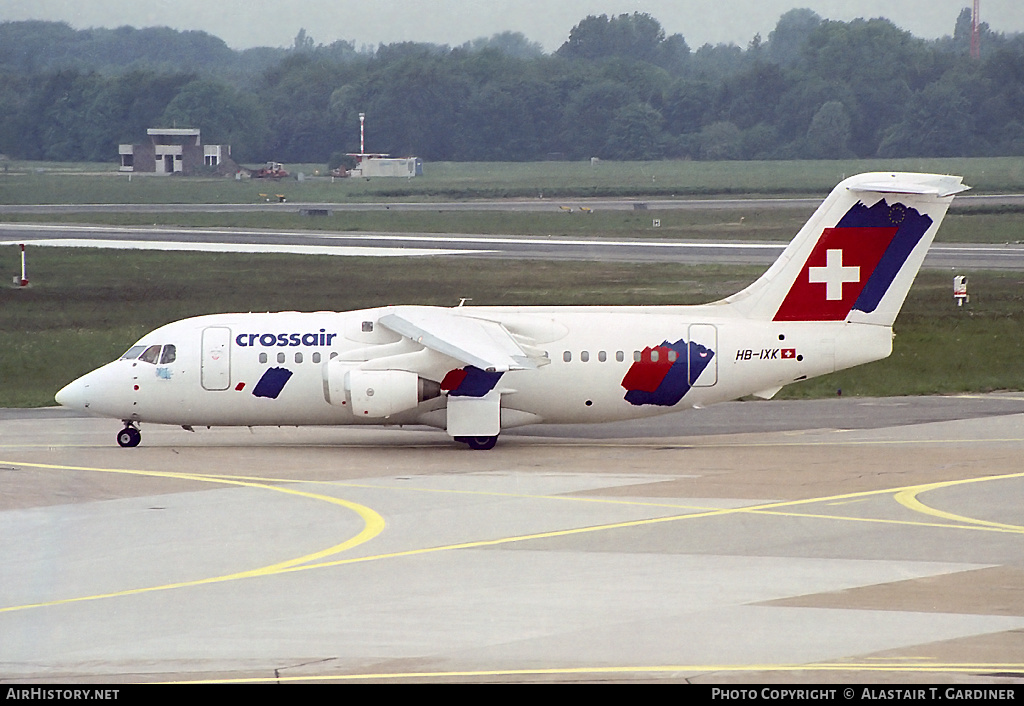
(478, 443)
(130, 436)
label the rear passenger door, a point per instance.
(702, 363)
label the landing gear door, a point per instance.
(703, 359)
(216, 366)
(475, 416)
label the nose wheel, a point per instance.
(129, 437)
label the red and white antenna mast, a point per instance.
(975, 33)
(362, 154)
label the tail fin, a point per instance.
(857, 256)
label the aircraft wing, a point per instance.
(484, 344)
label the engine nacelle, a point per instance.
(381, 393)
(377, 393)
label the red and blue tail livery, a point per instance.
(853, 264)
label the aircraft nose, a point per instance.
(73, 394)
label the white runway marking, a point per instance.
(341, 250)
(460, 238)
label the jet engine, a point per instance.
(377, 393)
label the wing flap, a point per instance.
(484, 344)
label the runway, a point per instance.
(960, 256)
(519, 205)
(859, 540)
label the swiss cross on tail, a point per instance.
(853, 264)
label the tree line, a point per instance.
(618, 88)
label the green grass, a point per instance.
(27, 182)
(739, 224)
(979, 226)
(85, 308)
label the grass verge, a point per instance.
(86, 307)
(27, 182)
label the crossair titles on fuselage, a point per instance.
(270, 340)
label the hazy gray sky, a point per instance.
(247, 23)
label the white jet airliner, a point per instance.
(828, 303)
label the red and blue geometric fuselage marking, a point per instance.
(271, 383)
(470, 381)
(665, 373)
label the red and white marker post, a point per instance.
(23, 282)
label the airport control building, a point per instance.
(176, 151)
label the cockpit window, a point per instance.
(164, 355)
(133, 353)
(151, 355)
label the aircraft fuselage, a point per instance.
(586, 375)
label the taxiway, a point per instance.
(1009, 256)
(847, 539)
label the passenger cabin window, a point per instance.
(263, 357)
(620, 356)
(567, 356)
(585, 356)
(151, 355)
(169, 355)
(602, 356)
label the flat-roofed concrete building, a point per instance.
(176, 151)
(378, 164)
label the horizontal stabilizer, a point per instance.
(931, 185)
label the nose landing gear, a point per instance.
(129, 437)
